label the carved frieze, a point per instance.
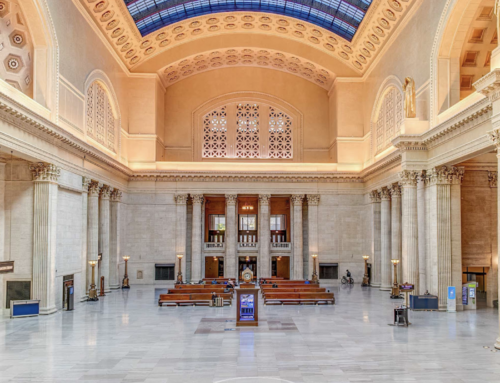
(197, 198)
(264, 199)
(105, 192)
(445, 175)
(493, 179)
(231, 199)
(85, 184)
(395, 190)
(495, 137)
(43, 171)
(375, 196)
(94, 188)
(385, 194)
(313, 199)
(181, 199)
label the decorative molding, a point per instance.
(94, 188)
(297, 199)
(231, 199)
(495, 137)
(116, 195)
(383, 165)
(181, 199)
(85, 184)
(198, 198)
(264, 199)
(44, 172)
(408, 146)
(105, 192)
(313, 199)
(493, 179)
(489, 85)
(375, 196)
(408, 178)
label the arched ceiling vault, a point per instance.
(150, 53)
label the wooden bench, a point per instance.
(193, 299)
(298, 298)
(198, 291)
(294, 290)
(201, 287)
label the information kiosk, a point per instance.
(247, 313)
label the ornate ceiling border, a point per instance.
(114, 21)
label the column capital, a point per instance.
(197, 198)
(297, 199)
(85, 184)
(105, 192)
(264, 199)
(116, 195)
(231, 199)
(313, 199)
(94, 188)
(444, 175)
(385, 194)
(495, 137)
(408, 178)
(395, 190)
(493, 179)
(375, 196)
(45, 172)
(181, 199)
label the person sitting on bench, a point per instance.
(227, 289)
(214, 296)
(214, 282)
(307, 282)
(230, 283)
(275, 285)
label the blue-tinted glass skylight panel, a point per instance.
(342, 17)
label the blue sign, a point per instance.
(451, 292)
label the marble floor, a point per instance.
(126, 337)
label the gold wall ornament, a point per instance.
(410, 99)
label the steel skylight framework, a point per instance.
(341, 17)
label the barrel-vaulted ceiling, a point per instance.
(154, 35)
(342, 17)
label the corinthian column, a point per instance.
(396, 226)
(104, 236)
(114, 238)
(456, 175)
(45, 177)
(298, 258)
(376, 236)
(180, 232)
(385, 220)
(230, 264)
(265, 236)
(84, 261)
(492, 276)
(92, 227)
(312, 219)
(495, 137)
(409, 227)
(196, 238)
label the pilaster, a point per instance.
(45, 177)
(84, 262)
(180, 232)
(92, 226)
(114, 238)
(2, 229)
(312, 212)
(396, 228)
(423, 245)
(196, 238)
(298, 256)
(265, 236)
(376, 240)
(492, 275)
(230, 264)
(385, 240)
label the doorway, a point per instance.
(280, 267)
(250, 262)
(214, 267)
(67, 283)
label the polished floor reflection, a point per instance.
(126, 337)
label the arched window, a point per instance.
(101, 121)
(247, 130)
(389, 117)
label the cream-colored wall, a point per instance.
(409, 55)
(184, 97)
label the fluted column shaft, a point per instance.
(180, 233)
(265, 236)
(443, 218)
(312, 219)
(114, 238)
(385, 221)
(196, 238)
(104, 236)
(396, 229)
(45, 178)
(409, 228)
(2, 228)
(376, 237)
(230, 264)
(84, 283)
(492, 275)
(423, 245)
(93, 227)
(298, 256)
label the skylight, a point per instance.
(341, 17)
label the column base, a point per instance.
(375, 285)
(48, 310)
(385, 288)
(497, 343)
(114, 287)
(84, 298)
